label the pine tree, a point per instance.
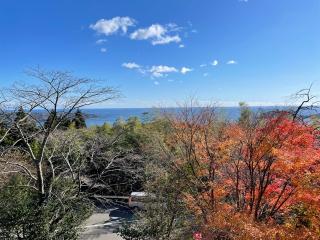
(53, 120)
(245, 113)
(79, 120)
(26, 123)
(20, 114)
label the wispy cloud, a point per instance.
(232, 62)
(101, 41)
(203, 65)
(113, 25)
(215, 63)
(166, 40)
(185, 70)
(156, 71)
(131, 65)
(156, 83)
(103, 50)
(161, 70)
(181, 46)
(158, 34)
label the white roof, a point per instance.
(139, 194)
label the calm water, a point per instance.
(110, 115)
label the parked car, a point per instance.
(137, 200)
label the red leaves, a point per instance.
(257, 169)
(277, 157)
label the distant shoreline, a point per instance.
(110, 115)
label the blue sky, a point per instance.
(162, 52)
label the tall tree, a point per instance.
(79, 120)
(245, 113)
(58, 94)
(20, 114)
(233, 176)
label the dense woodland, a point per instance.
(254, 178)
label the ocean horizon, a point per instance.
(99, 116)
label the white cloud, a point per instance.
(230, 62)
(156, 83)
(101, 41)
(113, 26)
(205, 74)
(131, 65)
(166, 40)
(203, 65)
(103, 50)
(215, 63)
(244, 1)
(161, 70)
(157, 34)
(155, 31)
(156, 71)
(181, 46)
(185, 70)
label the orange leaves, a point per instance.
(253, 171)
(298, 154)
(272, 158)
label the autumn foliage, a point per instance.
(252, 179)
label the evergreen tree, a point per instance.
(245, 113)
(54, 118)
(51, 120)
(20, 114)
(66, 122)
(28, 125)
(79, 120)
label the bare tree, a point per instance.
(59, 94)
(307, 101)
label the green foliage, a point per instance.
(79, 120)
(27, 125)
(245, 113)
(22, 217)
(18, 218)
(131, 133)
(106, 129)
(54, 118)
(131, 232)
(20, 114)
(133, 136)
(300, 216)
(162, 219)
(165, 215)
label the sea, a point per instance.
(110, 115)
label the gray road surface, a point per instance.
(103, 224)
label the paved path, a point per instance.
(102, 225)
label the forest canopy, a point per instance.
(257, 177)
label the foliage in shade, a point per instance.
(22, 218)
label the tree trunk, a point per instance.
(40, 182)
